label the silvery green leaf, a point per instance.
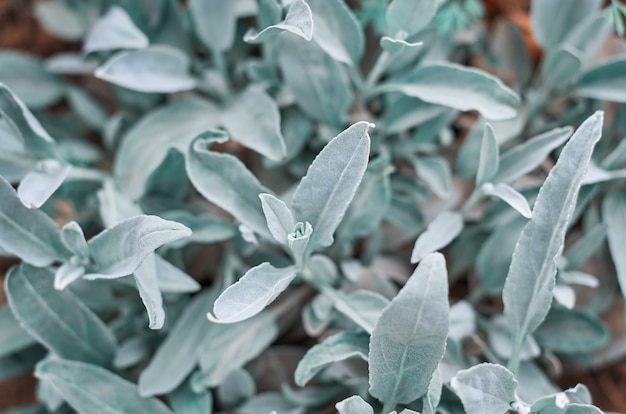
(440, 232)
(527, 156)
(335, 348)
(57, 319)
(172, 279)
(560, 68)
(87, 108)
(398, 46)
(408, 16)
(528, 288)
(28, 79)
(410, 337)
(325, 192)
(253, 120)
(28, 233)
(460, 88)
(73, 238)
(298, 241)
(225, 181)
(214, 22)
(552, 20)
(579, 278)
(252, 293)
(131, 352)
(88, 388)
(431, 400)
(67, 273)
(271, 402)
(149, 290)
(485, 388)
(363, 307)
(565, 296)
(510, 196)
(38, 185)
(59, 18)
(571, 331)
(462, 320)
(489, 160)
(588, 35)
(435, 172)
(316, 81)
(154, 69)
(174, 125)
(70, 63)
(119, 250)
(13, 337)
(337, 31)
(279, 217)
(238, 386)
(499, 338)
(582, 409)
(614, 215)
(299, 21)
(354, 405)
(114, 30)
(184, 400)
(605, 81)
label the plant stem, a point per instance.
(513, 364)
(377, 69)
(388, 407)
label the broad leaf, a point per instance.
(440, 232)
(485, 388)
(571, 331)
(184, 400)
(410, 337)
(114, 30)
(279, 217)
(354, 405)
(605, 81)
(214, 22)
(363, 307)
(552, 20)
(528, 288)
(409, 16)
(299, 21)
(13, 337)
(37, 186)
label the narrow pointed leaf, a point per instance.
(279, 217)
(147, 284)
(510, 196)
(528, 288)
(605, 81)
(172, 279)
(74, 239)
(410, 337)
(114, 30)
(489, 157)
(485, 388)
(440, 232)
(299, 21)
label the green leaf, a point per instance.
(440, 232)
(28, 79)
(28, 233)
(614, 215)
(214, 22)
(225, 181)
(238, 386)
(397, 46)
(435, 172)
(114, 30)
(528, 288)
(154, 69)
(13, 337)
(527, 156)
(118, 251)
(299, 21)
(510, 196)
(561, 67)
(582, 409)
(252, 293)
(149, 290)
(489, 160)
(184, 400)
(38, 185)
(460, 88)
(279, 217)
(363, 307)
(485, 388)
(253, 120)
(171, 279)
(146, 144)
(571, 331)
(337, 31)
(354, 405)
(325, 192)
(552, 20)
(605, 81)
(409, 16)
(57, 319)
(335, 348)
(316, 81)
(89, 388)
(410, 337)
(73, 238)
(59, 18)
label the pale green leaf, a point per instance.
(89, 388)
(571, 331)
(485, 388)
(489, 160)
(354, 405)
(561, 67)
(57, 319)
(606, 81)
(552, 20)
(73, 238)
(154, 69)
(214, 22)
(13, 337)
(614, 215)
(279, 217)
(59, 18)
(397, 46)
(114, 30)
(149, 290)
(409, 16)
(238, 386)
(172, 279)
(184, 400)
(299, 21)
(67, 273)
(410, 337)
(435, 172)
(528, 288)
(510, 196)
(363, 307)
(440, 232)
(38, 185)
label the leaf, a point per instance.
(485, 388)
(335, 348)
(614, 215)
(571, 331)
(489, 160)
(337, 31)
(325, 192)
(316, 81)
(214, 22)
(114, 30)
(440, 232)
(363, 307)
(552, 20)
(459, 87)
(528, 288)
(180, 351)
(89, 388)
(225, 181)
(28, 79)
(410, 337)
(171, 279)
(57, 319)
(435, 172)
(28, 233)
(462, 320)
(605, 81)
(149, 290)
(37, 186)
(146, 144)
(510, 196)
(253, 120)
(118, 251)
(409, 16)
(354, 405)
(527, 156)
(279, 217)
(299, 21)
(561, 68)
(154, 69)
(184, 400)
(397, 46)
(13, 337)
(73, 238)
(252, 293)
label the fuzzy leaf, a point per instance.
(13, 337)
(571, 331)
(409, 16)
(485, 388)
(299, 21)
(363, 307)
(614, 215)
(214, 22)
(114, 30)
(510, 196)
(552, 20)
(489, 160)
(440, 232)
(279, 217)
(354, 405)
(605, 81)
(37, 186)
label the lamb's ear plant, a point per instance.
(264, 206)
